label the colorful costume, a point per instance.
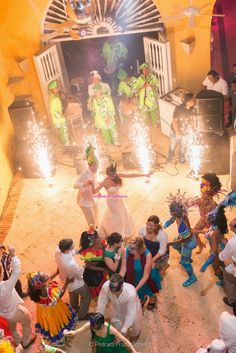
(103, 110)
(53, 316)
(55, 107)
(186, 241)
(210, 186)
(94, 279)
(135, 271)
(127, 104)
(146, 87)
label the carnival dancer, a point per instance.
(92, 252)
(85, 197)
(146, 87)
(53, 316)
(56, 110)
(139, 272)
(216, 235)
(127, 104)
(103, 110)
(210, 187)
(116, 218)
(126, 311)
(186, 241)
(105, 337)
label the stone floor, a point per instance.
(43, 213)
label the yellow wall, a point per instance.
(20, 38)
(188, 70)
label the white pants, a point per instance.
(91, 214)
(134, 330)
(23, 317)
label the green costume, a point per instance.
(107, 344)
(147, 91)
(102, 107)
(126, 91)
(55, 107)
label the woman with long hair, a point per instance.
(140, 273)
(117, 217)
(217, 242)
(92, 252)
(53, 316)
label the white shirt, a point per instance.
(162, 239)
(69, 268)
(9, 299)
(229, 253)
(85, 194)
(227, 329)
(220, 86)
(126, 307)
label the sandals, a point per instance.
(145, 302)
(151, 306)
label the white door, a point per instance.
(157, 54)
(50, 65)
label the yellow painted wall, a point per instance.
(20, 38)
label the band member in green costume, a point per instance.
(128, 103)
(56, 110)
(147, 91)
(102, 107)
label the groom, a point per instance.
(85, 197)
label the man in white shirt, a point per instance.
(229, 253)
(10, 305)
(84, 183)
(227, 330)
(156, 241)
(215, 82)
(126, 312)
(68, 267)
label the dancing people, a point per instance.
(114, 254)
(126, 311)
(186, 241)
(116, 218)
(103, 110)
(139, 272)
(92, 252)
(156, 241)
(105, 337)
(210, 187)
(53, 316)
(85, 197)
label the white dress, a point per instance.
(116, 217)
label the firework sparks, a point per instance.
(195, 151)
(143, 146)
(41, 149)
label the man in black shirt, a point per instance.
(182, 121)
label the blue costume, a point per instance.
(184, 248)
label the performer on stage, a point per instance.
(102, 107)
(56, 110)
(127, 102)
(146, 87)
(85, 195)
(186, 241)
(117, 217)
(210, 186)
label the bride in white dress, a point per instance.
(117, 217)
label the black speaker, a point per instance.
(21, 113)
(210, 111)
(215, 157)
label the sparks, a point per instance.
(195, 151)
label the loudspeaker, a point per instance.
(210, 111)
(21, 113)
(215, 157)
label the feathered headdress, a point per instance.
(6, 346)
(91, 234)
(178, 204)
(90, 155)
(229, 201)
(210, 184)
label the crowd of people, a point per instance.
(121, 266)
